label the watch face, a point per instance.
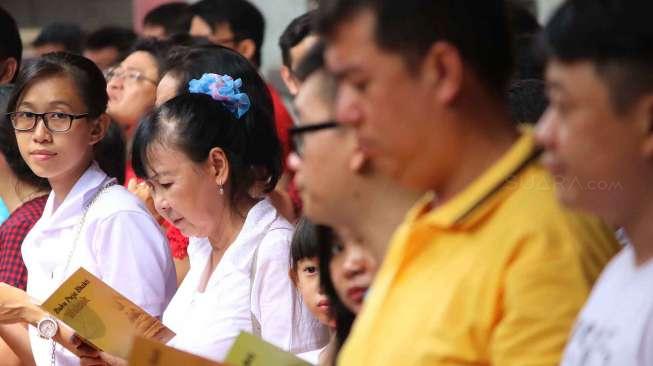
(47, 328)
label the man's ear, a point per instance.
(8, 69)
(247, 48)
(290, 80)
(442, 69)
(99, 128)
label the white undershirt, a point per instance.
(615, 328)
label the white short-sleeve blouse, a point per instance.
(207, 323)
(120, 243)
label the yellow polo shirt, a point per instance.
(494, 276)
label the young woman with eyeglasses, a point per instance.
(57, 111)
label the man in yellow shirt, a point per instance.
(493, 271)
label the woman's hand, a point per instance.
(15, 305)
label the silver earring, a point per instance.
(221, 190)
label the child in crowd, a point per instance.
(305, 274)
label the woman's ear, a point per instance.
(99, 128)
(218, 166)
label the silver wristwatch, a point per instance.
(47, 327)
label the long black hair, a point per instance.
(327, 239)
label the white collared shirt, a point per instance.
(207, 323)
(120, 243)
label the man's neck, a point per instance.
(373, 217)
(640, 231)
(489, 134)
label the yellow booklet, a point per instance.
(249, 350)
(146, 352)
(101, 316)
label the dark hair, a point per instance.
(173, 17)
(9, 149)
(311, 62)
(111, 152)
(478, 29)
(90, 83)
(522, 21)
(158, 49)
(69, 35)
(185, 39)
(294, 33)
(10, 43)
(117, 37)
(527, 100)
(245, 20)
(195, 123)
(326, 238)
(614, 35)
(304, 242)
(528, 64)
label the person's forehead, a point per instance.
(140, 60)
(351, 40)
(309, 101)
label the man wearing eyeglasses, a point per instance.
(339, 186)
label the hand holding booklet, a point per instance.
(101, 316)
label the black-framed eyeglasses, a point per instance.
(53, 121)
(297, 133)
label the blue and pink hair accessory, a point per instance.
(224, 89)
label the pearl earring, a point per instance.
(221, 189)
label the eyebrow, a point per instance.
(56, 103)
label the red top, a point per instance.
(12, 233)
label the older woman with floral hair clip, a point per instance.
(201, 153)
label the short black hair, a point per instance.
(245, 20)
(10, 43)
(158, 49)
(522, 21)
(195, 123)
(120, 38)
(69, 35)
(174, 17)
(311, 62)
(294, 33)
(614, 35)
(527, 100)
(480, 30)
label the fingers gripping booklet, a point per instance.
(101, 316)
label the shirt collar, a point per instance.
(483, 193)
(70, 210)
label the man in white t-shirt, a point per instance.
(598, 139)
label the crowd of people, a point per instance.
(456, 185)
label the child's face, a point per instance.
(308, 284)
(352, 270)
(56, 155)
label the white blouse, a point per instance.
(207, 323)
(120, 243)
